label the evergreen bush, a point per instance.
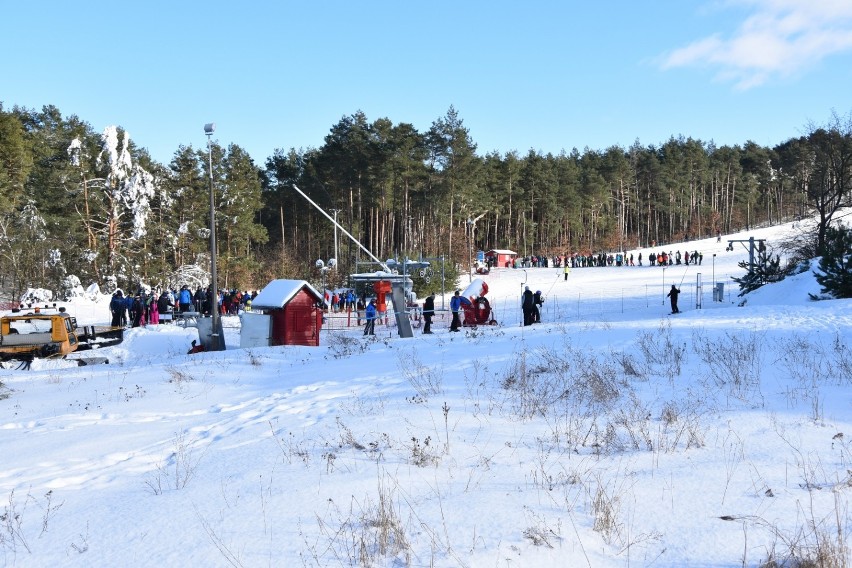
(835, 265)
(766, 269)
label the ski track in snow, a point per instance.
(230, 425)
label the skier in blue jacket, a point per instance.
(455, 306)
(184, 299)
(369, 328)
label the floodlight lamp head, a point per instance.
(319, 263)
(209, 128)
(332, 262)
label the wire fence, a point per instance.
(585, 306)
(343, 320)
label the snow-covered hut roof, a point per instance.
(501, 251)
(277, 293)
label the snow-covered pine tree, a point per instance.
(126, 193)
(835, 265)
(118, 205)
(765, 270)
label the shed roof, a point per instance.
(277, 293)
(501, 251)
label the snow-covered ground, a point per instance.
(611, 434)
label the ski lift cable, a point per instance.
(554, 283)
(684, 275)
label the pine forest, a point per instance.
(93, 204)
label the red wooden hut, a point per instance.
(501, 258)
(294, 308)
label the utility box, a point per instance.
(255, 330)
(719, 292)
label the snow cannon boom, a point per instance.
(476, 307)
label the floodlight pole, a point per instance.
(218, 340)
(469, 257)
(335, 211)
(471, 226)
(323, 269)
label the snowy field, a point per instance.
(611, 434)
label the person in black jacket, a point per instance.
(673, 293)
(164, 304)
(138, 311)
(527, 306)
(200, 301)
(428, 312)
(538, 300)
(118, 309)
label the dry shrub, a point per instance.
(733, 362)
(427, 381)
(368, 534)
(814, 543)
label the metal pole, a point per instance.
(443, 284)
(218, 343)
(714, 276)
(699, 292)
(336, 258)
(751, 255)
(469, 257)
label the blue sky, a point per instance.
(540, 75)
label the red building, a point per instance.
(294, 308)
(501, 258)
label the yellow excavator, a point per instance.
(51, 334)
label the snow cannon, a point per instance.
(476, 308)
(475, 289)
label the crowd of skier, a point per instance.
(578, 260)
(145, 308)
